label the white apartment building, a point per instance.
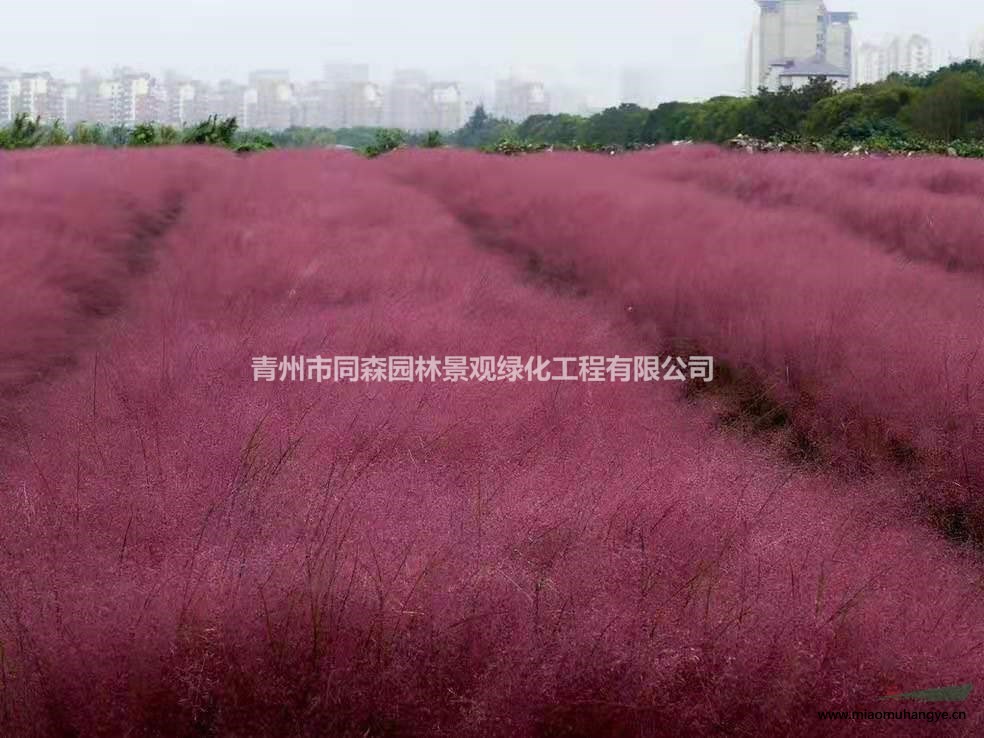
(638, 85)
(270, 107)
(895, 55)
(840, 43)
(406, 104)
(800, 30)
(518, 99)
(794, 74)
(446, 107)
(869, 68)
(126, 99)
(977, 45)
(341, 75)
(36, 94)
(364, 103)
(918, 55)
(9, 96)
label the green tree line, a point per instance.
(936, 112)
(940, 111)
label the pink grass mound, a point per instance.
(924, 209)
(187, 551)
(876, 359)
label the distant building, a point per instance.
(445, 107)
(407, 103)
(895, 55)
(638, 85)
(74, 104)
(870, 63)
(316, 106)
(918, 55)
(9, 95)
(797, 73)
(363, 105)
(342, 74)
(892, 57)
(342, 95)
(799, 30)
(517, 99)
(977, 45)
(840, 43)
(565, 98)
(753, 76)
(41, 97)
(127, 98)
(189, 101)
(271, 101)
(233, 100)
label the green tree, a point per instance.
(483, 129)
(833, 112)
(387, 139)
(432, 140)
(23, 133)
(618, 126)
(563, 129)
(949, 109)
(671, 121)
(145, 134)
(782, 113)
(213, 132)
(84, 134)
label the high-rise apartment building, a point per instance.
(977, 45)
(343, 74)
(363, 105)
(234, 100)
(895, 55)
(407, 100)
(840, 42)
(35, 94)
(870, 63)
(126, 98)
(41, 96)
(918, 55)
(445, 107)
(9, 95)
(892, 57)
(517, 99)
(272, 101)
(189, 101)
(316, 106)
(346, 91)
(638, 85)
(799, 31)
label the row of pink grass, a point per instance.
(924, 209)
(188, 552)
(855, 341)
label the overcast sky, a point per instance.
(695, 47)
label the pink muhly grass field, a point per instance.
(923, 209)
(877, 359)
(189, 552)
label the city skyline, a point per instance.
(346, 96)
(697, 49)
(791, 42)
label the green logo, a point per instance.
(957, 693)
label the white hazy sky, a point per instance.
(695, 47)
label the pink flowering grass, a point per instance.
(875, 359)
(189, 552)
(924, 209)
(73, 242)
